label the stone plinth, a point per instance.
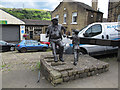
(59, 72)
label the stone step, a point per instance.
(62, 68)
(57, 63)
(60, 72)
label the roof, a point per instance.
(81, 4)
(36, 22)
(10, 18)
(85, 6)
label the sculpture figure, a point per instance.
(75, 41)
(54, 32)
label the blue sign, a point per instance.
(22, 27)
(113, 26)
(22, 31)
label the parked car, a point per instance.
(45, 42)
(107, 30)
(4, 46)
(26, 45)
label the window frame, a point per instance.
(74, 14)
(92, 30)
(65, 18)
(57, 16)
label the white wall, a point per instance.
(9, 18)
(22, 32)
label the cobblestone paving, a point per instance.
(20, 61)
(19, 71)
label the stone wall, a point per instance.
(83, 15)
(60, 72)
(113, 11)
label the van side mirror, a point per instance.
(6, 43)
(85, 34)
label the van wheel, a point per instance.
(23, 50)
(44, 49)
(82, 52)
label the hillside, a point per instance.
(36, 14)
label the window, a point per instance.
(37, 31)
(64, 20)
(118, 18)
(57, 16)
(30, 42)
(27, 31)
(93, 31)
(34, 42)
(64, 8)
(3, 43)
(74, 18)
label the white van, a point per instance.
(108, 30)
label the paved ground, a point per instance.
(20, 71)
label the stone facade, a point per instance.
(85, 15)
(113, 11)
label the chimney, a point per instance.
(95, 4)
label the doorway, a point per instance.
(31, 34)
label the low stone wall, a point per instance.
(60, 72)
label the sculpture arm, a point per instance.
(64, 30)
(70, 37)
(47, 32)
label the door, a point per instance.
(10, 33)
(111, 34)
(32, 45)
(36, 45)
(95, 31)
(4, 46)
(31, 34)
(29, 45)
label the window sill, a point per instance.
(74, 23)
(64, 23)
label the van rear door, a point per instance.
(111, 33)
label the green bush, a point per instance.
(36, 14)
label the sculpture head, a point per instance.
(54, 21)
(75, 32)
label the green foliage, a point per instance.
(38, 65)
(36, 14)
(3, 66)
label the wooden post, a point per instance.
(118, 58)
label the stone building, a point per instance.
(113, 11)
(76, 15)
(35, 27)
